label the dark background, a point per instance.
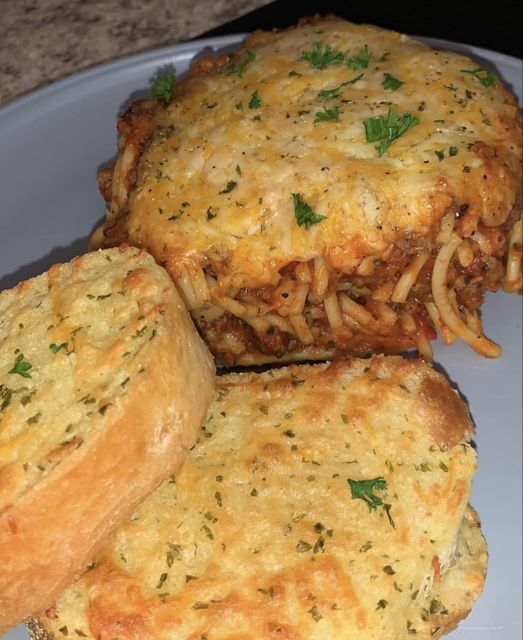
(496, 25)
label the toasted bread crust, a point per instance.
(130, 436)
(261, 534)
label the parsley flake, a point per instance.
(487, 78)
(440, 154)
(303, 546)
(255, 101)
(229, 187)
(327, 115)
(21, 366)
(305, 216)
(363, 490)
(162, 86)
(55, 348)
(315, 613)
(329, 94)
(321, 55)
(239, 70)
(390, 82)
(360, 60)
(388, 130)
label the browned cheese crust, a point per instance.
(320, 502)
(326, 189)
(104, 383)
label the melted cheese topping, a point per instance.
(215, 185)
(71, 342)
(260, 535)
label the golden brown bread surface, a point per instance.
(320, 502)
(104, 383)
(268, 188)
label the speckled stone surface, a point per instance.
(42, 40)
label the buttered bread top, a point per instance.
(320, 502)
(104, 382)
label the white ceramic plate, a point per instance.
(51, 144)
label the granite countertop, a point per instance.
(43, 40)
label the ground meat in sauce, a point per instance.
(470, 283)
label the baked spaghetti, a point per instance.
(326, 189)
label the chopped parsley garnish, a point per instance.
(34, 419)
(388, 570)
(390, 82)
(487, 78)
(303, 547)
(305, 216)
(162, 86)
(322, 55)
(388, 130)
(294, 73)
(360, 60)
(21, 366)
(229, 187)
(328, 94)
(327, 115)
(55, 348)
(161, 580)
(453, 151)
(437, 607)
(255, 101)
(363, 490)
(315, 613)
(239, 70)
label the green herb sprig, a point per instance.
(327, 115)
(360, 60)
(162, 86)
(329, 94)
(322, 56)
(390, 82)
(487, 78)
(363, 490)
(388, 130)
(255, 101)
(242, 65)
(305, 216)
(21, 367)
(55, 348)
